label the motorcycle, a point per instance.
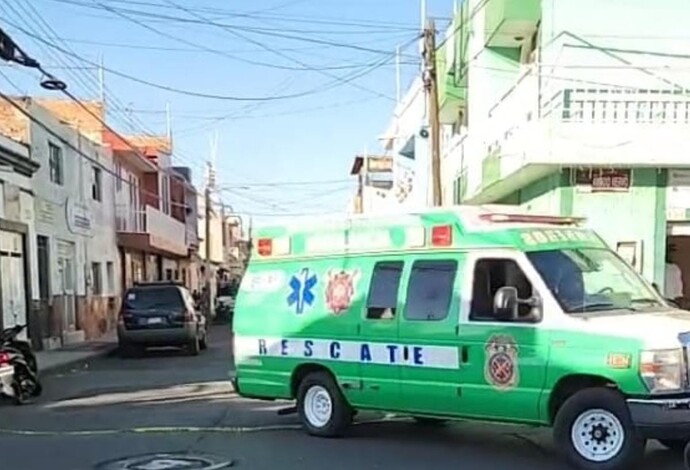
(16, 355)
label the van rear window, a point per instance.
(149, 298)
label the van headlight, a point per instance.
(662, 370)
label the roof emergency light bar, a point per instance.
(531, 219)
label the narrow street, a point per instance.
(167, 401)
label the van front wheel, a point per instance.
(594, 431)
(321, 406)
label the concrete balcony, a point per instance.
(577, 127)
(148, 229)
(508, 22)
(452, 78)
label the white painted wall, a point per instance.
(411, 177)
(21, 212)
(55, 202)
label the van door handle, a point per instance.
(464, 354)
(374, 387)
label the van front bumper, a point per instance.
(661, 418)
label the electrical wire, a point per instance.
(200, 47)
(81, 153)
(283, 55)
(316, 90)
(274, 184)
(125, 12)
(362, 23)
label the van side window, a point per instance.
(430, 290)
(383, 290)
(491, 274)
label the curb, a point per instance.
(79, 362)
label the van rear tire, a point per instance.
(594, 431)
(322, 407)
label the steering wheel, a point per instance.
(605, 290)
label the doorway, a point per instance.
(678, 253)
(66, 255)
(12, 279)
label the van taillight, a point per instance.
(4, 358)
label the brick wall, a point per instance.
(74, 114)
(13, 123)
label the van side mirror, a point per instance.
(506, 303)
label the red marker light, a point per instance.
(4, 358)
(442, 235)
(264, 246)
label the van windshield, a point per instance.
(593, 280)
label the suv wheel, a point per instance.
(194, 346)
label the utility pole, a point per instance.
(431, 86)
(398, 89)
(207, 219)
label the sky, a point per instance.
(290, 90)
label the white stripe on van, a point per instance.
(415, 355)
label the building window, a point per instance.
(110, 274)
(165, 194)
(55, 164)
(96, 279)
(97, 185)
(430, 290)
(382, 300)
(118, 176)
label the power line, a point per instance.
(361, 23)
(177, 38)
(67, 143)
(123, 12)
(285, 183)
(273, 51)
(320, 89)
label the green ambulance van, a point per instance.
(464, 313)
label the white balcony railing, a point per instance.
(524, 102)
(163, 229)
(619, 106)
(130, 219)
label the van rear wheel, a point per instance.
(321, 406)
(675, 445)
(426, 421)
(594, 431)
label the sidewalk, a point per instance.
(52, 359)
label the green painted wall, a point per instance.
(639, 214)
(629, 216)
(543, 196)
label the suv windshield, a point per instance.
(149, 298)
(593, 279)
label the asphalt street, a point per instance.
(112, 408)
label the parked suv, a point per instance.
(160, 314)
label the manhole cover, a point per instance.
(167, 461)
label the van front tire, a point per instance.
(321, 406)
(594, 431)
